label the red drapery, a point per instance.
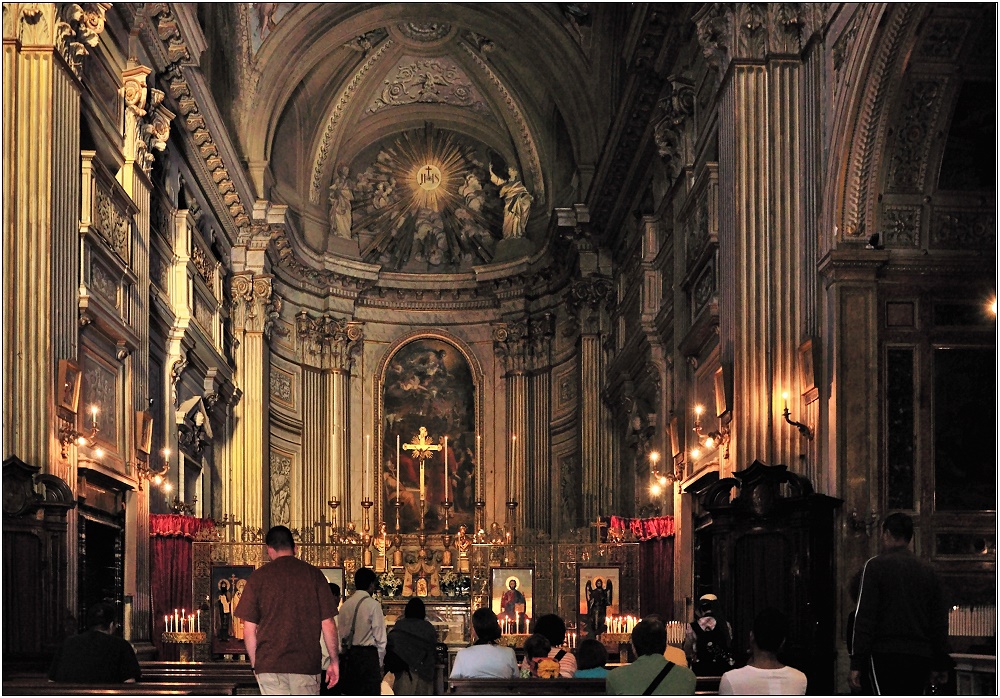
(656, 561)
(170, 569)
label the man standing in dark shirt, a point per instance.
(901, 624)
(286, 606)
(97, 655)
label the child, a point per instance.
(536, 659)
(591, 656)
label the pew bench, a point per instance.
(706, 686)
(44, 687)
(527, 687)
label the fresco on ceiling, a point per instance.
(427, 200)
(428, 385)
(264, 16)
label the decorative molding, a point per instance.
(901, 226)
(424, 33)
(112, 222)
(195, 122)
(79, 27)
(281, 488)
(534, 166)
(281, 386)
(204, 265)
(428, 80)
(323, 151)
(510, 344)
(943, 39)
(865, 136)
(917, 121)
(672, 111)
(963, 229)
(334, 341)
(251, 296)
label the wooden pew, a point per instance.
(706, 686)
(44, 687)
(527, 687)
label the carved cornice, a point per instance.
(646, 84)
(180, 90)
(330, 341)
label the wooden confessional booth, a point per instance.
(764, 538)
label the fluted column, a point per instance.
(510, 344)
(250, 462)
(588, 298)
(757, 47)
(538, 502)
(329, 344)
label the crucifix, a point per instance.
(230, 525)
(323, 524)
(598, 524)
(422, 448)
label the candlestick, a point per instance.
(446, 468)
(397, 473)
(199, 620)
(479, 461)
(421, 480)
(367, 462)
(510, 465)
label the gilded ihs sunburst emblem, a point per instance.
(425, 203)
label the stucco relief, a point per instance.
(428, 80)
(962, 229)
(281, 488)
(901, 226)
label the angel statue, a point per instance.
(599, 598)
(517, 202)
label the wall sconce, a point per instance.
(713, 439)
(68, 435)
(863, 523)
(660, 479)
(803, 429)
(144, 472)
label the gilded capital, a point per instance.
(327, 341)
(251, 302)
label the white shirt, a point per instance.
(485, 662)
(369, 629)
(751, 681)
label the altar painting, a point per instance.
(428, 383)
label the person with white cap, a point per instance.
(708, 639)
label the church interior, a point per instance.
(653, 299)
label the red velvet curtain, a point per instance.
(170, 570)
(656, 561)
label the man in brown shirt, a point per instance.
(285, 605)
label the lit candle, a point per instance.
(510, 465)
(166, 623)
(784, 397)
(199, 620)
(446, 468)
(93, 415)
(176, 623)
(397, 468)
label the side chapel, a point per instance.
(511, 302)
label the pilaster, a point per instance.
(510, 344)
(539, 493)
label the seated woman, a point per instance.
(410, 651)
(536, 662)
(485, 659)
(591, 656)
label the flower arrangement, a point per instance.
(449, 579)
(389, 583)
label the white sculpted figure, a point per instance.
(341, 198)
(517, 202)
